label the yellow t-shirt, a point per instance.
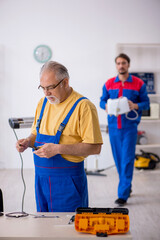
(82, 127)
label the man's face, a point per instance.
(48, 81)
(122, 65)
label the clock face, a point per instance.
(42, 53)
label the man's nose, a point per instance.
(47, 92)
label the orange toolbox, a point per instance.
(102, 221)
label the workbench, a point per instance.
(46, 226)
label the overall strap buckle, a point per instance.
(38, 123)
(61, 127)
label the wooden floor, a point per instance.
(143, 205)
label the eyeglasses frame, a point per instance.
(51, 87)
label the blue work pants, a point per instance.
(123, 143)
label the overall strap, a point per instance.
(65, 121)
(41, 114)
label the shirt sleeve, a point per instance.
(89, 124)
(144, 99)
(104, 97)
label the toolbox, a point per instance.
(102, 221)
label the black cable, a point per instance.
(22, 213)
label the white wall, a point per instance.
(82, 35)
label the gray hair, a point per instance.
(60, 71)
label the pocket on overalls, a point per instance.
(65, 194)
(79, 184)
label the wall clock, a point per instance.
(42, 53)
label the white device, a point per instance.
(153, 112)
(119, 106)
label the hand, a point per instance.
(132, 105)
(47, 150)
(22, 145)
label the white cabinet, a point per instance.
(146, 58)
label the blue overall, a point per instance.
(123, 143)
(60, 185)
(122, 131)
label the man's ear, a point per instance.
(66, 82)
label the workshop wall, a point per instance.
(82, 35)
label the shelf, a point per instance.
(150, 121)
(149, 45)
(145, 58)
(157, 145)
(156, 71)
(154, 95)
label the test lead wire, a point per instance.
(22, 175)
(20, 214)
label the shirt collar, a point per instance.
(129, 79)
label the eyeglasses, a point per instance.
(51, 87)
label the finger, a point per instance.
(20, 149)
(21, 145)
(41, 155)
(39, 152)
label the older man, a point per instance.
(65, 131)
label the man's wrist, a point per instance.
(29, 141)
(106, 107)
(136, 106)
(59, 148)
